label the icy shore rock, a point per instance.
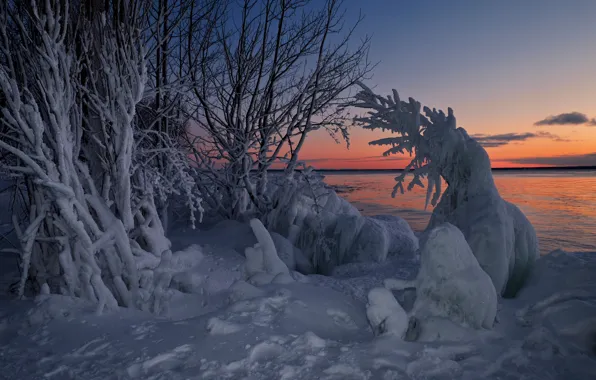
(451, 284)
(263, 264)
(385, 314)
(330, 239)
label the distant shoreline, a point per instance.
(543, 168)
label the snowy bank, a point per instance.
(316, 327)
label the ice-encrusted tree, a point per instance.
(71, 133)
(281, 69)
(500, 236)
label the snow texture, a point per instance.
(305, 330)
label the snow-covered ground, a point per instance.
(216, 325)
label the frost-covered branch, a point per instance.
(275, 72)
(69, 112)
(424, 137)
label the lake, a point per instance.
(560, 204)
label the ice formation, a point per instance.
(451, 284)
(500, 236)
(330, 232)
(385, 314)
(263, 265)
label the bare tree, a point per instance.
(71, 129)
(278, 70)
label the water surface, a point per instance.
(561, 205)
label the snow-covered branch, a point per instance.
(274, 73)
(425, 137)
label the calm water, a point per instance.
(560, 205)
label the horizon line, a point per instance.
(584, 167)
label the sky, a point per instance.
(520, 73)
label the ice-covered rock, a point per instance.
(329, 232)
(371, 244)
(355, 238)
(385, 314)
(451, 284)
(263, 265)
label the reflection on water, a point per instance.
(560, 205)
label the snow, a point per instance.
(425, 312)
(314, 327)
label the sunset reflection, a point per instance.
(563, 211)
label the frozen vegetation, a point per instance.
(135, 249)
(500, 236)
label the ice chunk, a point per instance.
(218, 326)
(451, 283)
(265, 351)
(271, 261)
(385, 314)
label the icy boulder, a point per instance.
(402, 239)
(355, 238)
(385, 314)
(263, 265)
(451, 284)
(329, 232)
(372, 239)
(371, 244)
(499, 234)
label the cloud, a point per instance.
(569, 160)
(570, 118)
(493, 141)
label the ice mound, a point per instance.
(499, 234)
(561, 295)
(331, 232)
(451, 284)
(263, 265)
(385, 314)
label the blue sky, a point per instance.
(501, 64)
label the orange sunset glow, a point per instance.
(501, 66)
